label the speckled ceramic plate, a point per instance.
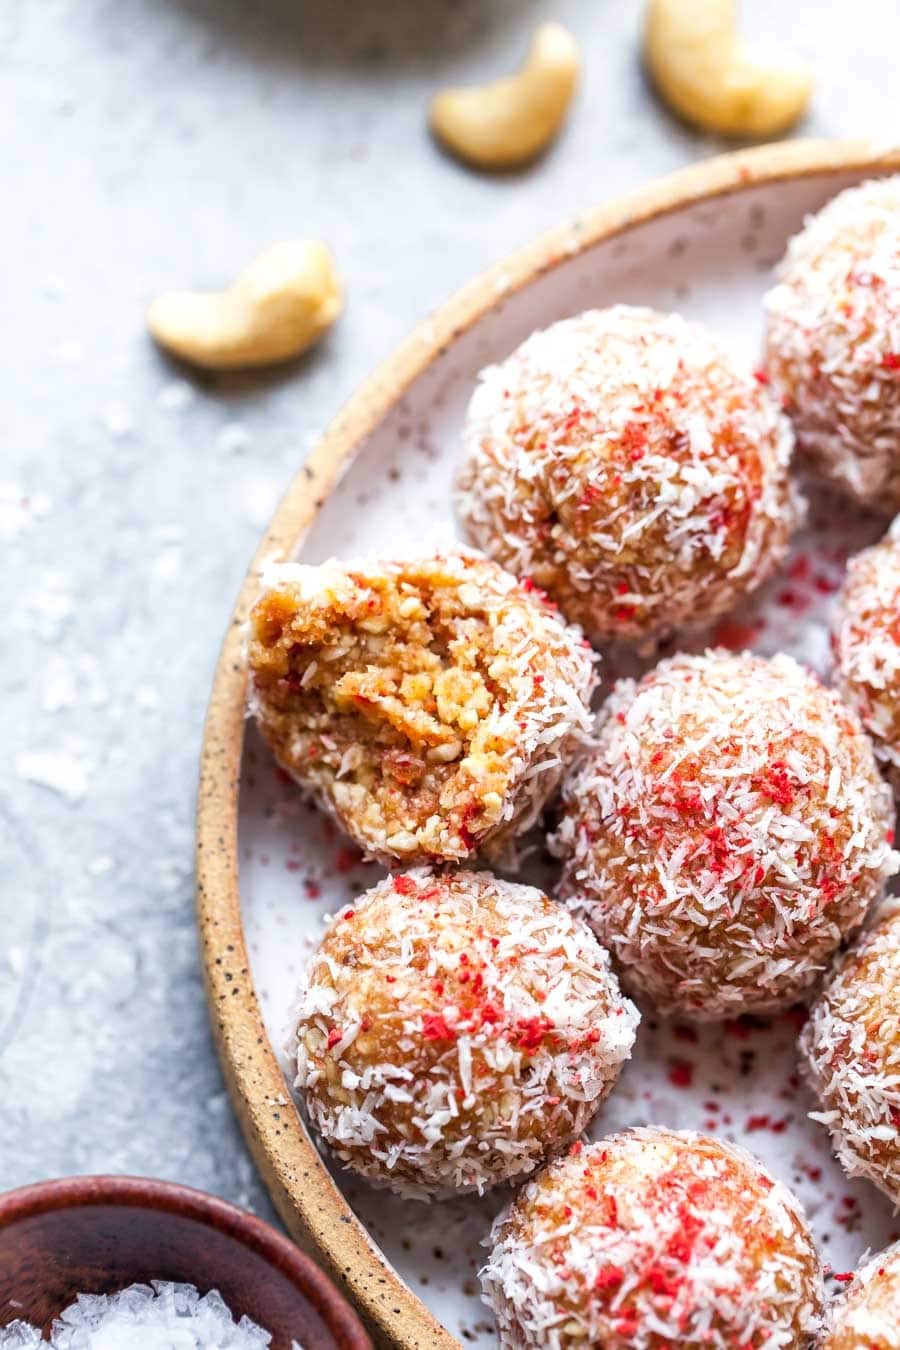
(270, 868)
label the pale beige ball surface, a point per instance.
(455, 1030)
(851, 1054)
(650, 1240)
(729, 830)
(623, 462)
(833, 342)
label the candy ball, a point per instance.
(833, 342)
(851, 1054)
(865, 1316)
(649, 1240)
(866, 642)
(727, 833)
(454, 1031)
(622, 461)
(430, 705)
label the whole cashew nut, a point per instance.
(278, 306)
(501, 125)
(704, 71)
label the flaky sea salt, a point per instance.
(164, 1317)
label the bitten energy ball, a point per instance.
(833, 341)
(454, 1031)
(865, 1317)
(654, 1239)
(431, 705)
(867, 647)
(620, 460)
(729, 830)
(851, 1049)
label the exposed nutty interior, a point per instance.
(378, 692)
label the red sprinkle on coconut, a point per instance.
(610, 1277)
(434, 1028)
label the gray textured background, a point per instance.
(150, 143)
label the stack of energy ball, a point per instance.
(723, 824)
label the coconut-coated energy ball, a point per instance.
(454, 1031)
(624, 463)
(649, 1240)
(833, 341)
(851, 1054)
(866, 641)
(866, 1317)
(431, 705)
(728, 831)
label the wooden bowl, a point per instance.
(100, 1234)
(727, 219)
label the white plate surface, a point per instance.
(713, 263)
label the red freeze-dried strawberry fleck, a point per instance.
(778, 783)
(681, 1074)
(434, 1028)
(791, 599)
(347, 859)
(683, 1033)
(736, 636)
(334, 1035)
(754, 1123)
(610, 1277)
(738, 1028)
(470, 811)
(529, 1032)
(404, 885)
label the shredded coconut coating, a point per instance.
(652, 1239)
(866, 1316)
(866, 643)
(432, 705)
(620, 460)
(454, 1031)
(851, 1052)
(833, 341)
(729, 830)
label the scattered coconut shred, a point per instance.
(164, 1317)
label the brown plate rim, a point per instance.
(44, 1197)
(309, 1202)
